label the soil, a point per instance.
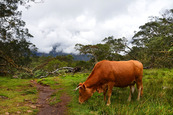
(45, 108)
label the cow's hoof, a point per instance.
(107, 104)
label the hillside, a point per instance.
(54, 54)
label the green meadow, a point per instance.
(18, 94)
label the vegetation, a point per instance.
(154, 41)
(16, 94)
(152, 45)
(157, 98)
(15, 50)
(17, 53)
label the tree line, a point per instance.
(152, 44)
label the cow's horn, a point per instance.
(77, 88)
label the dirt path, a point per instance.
(43, 104)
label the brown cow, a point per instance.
(109, 74)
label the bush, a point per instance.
(24, 75)
(54, 64)
(39, 73)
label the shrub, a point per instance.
(24, 75)
(54, 64)
(39, 73)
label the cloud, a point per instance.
(64, 23)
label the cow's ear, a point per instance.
(83, 86)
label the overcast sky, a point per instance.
(64, 23)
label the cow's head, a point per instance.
(84, 92)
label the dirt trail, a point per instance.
(43, 101)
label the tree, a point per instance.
(15, 49)
(116, 45)
(98, 51)
(110, 50)
(155, 38)
(11, 24)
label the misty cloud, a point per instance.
(66, 23)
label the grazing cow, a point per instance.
(109, 74)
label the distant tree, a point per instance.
(98, 51)
(109, 50)
(67, 58)
(85, 65)
(116, 45)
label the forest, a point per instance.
(152, 45)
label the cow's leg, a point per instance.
(104, 92)
(132, 89)
(140, 89)
(139, 93)
(110, 87)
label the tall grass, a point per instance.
(157, 98)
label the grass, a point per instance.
(50, 81)
(53, 82)
(157, 98)
(16, 95)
